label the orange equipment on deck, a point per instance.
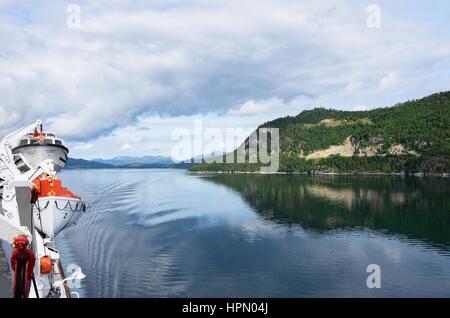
(50, 186)
(46, 264)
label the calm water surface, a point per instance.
(164, 233)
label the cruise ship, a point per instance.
(34, 209)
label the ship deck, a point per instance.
(5, 276)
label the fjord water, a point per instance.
(165, 233)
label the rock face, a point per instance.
(352, 147)
(370, 151)
(347, 149)
(400, 149)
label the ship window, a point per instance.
(58, 142)
(23, 142)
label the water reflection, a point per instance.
(164, 233)
(418, 208)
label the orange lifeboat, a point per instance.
(50, 186)
(56, 207)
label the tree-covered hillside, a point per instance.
(409, 137)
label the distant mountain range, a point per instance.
(129, 160)
(73, 163)
(125, 162)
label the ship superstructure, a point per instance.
(35, 208)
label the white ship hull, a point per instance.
(52, 214)
(36, 153)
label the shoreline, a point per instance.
(398, 174)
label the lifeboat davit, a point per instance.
(56, 207)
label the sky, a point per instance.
(120, 77)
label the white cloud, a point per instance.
(157, 59)
(360, 108)
(388, 82)
(7, 117)
(126, 146)
(84, 146)
(255, 108)
(353, 87)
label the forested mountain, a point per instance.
(409, 137)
